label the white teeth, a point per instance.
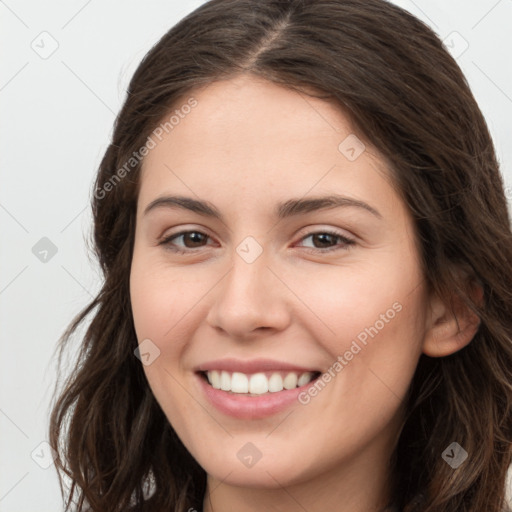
(257, 383)
(225, 381)
(214, 378)
(275, 383)
(304, 379)
(290, 381)
(240, 383)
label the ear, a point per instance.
(449, 332)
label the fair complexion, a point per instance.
(248, 146)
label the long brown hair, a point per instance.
(408, 97)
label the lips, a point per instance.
(252, 366)
(256, 376)
(252, 389)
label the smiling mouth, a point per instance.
(257, 384)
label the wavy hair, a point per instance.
(407, 96)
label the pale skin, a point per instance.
(247, 146)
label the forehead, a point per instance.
(249, 109)
(261, 139)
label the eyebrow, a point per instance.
(283, 210)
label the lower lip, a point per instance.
(251, 407)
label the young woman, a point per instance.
(307, 276)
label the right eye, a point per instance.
(193, 236)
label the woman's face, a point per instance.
(267, 292)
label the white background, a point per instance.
(57, 117)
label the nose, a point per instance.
(250, 299)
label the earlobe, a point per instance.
(447, 331)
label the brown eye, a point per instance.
(326, 241)
(191, 240)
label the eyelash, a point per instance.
(347, 241)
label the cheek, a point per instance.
(160, 304)
(374, 352)
(373, 317)
(160, 299)
(349, 302)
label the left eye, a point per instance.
(197, 237)
(326, 237)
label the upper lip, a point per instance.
(250, 366)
